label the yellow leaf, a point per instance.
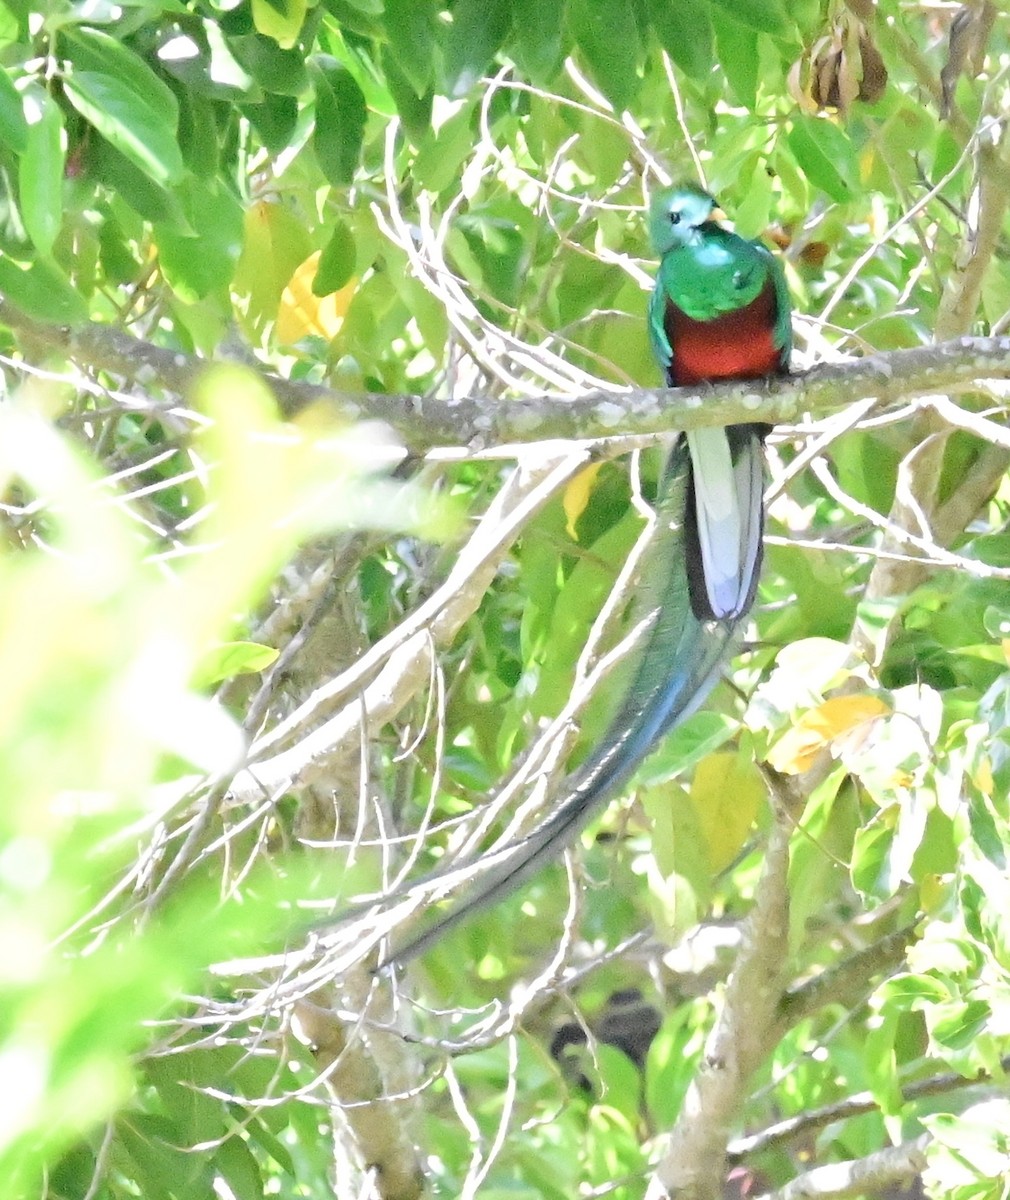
(275, 243)
(726, 793)
(796, 751)
(577, 495)
(302, 313)
(817, 729)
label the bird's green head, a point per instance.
(676, 215)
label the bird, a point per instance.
(720, 310)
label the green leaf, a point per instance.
(281, 20)
(42, 291)
(441, 153)
(411, 27)
(40, 171)
(672, 1061)
(766, 16)
(336, 263)
(957, 1025)
(340, 120)
(277, 71)
(825, 155)
(125, 118)
(869, 859)
(691, 741)
(738, 56)
(147, 198)
(199, 139)
(196, 266)
(913, 991)
(538, 32)
(475, 36)
(233, 658)
(238, 1166)
(13, 126)
(275, 244)
(275, 120)
(414, 109)
(499, 248)
(684, 30)
(93, 51)
(606, 33)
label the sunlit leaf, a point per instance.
(131, 124)
(302, 313)
(40, 171)
(280, 19)
(816, 730)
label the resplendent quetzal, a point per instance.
(720, 310)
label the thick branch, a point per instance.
(693, 1167)
(845, 982)
(424, 423)
(375, 1125)
(887, 1168)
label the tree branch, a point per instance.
(425, 422)
(856, 1105)
(693, 1167)
(846, 981)
(895, 1165)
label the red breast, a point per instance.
(735, 345)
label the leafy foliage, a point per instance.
(417, 197)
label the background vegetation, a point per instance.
(252, 668)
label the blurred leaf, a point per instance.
(96, 52)
(274, 244)
(340, 119)
(414, 110)
(40, 173)
(280, 19)
(13, 125)
(411, 28)
(238, 1166)
(233, 658)
(42, 291)
(766, 16)
(685, 32)
(441, 152)
(277, 70)
(737, 47)
(336, 262)
(576, 497)
(275, 120)
(196, 266)
(816, 729)
(538, 30)
(606, 33)
(478, 29)
(148, 199)
(727, 793)
(700, 735)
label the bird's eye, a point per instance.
(675, 218)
